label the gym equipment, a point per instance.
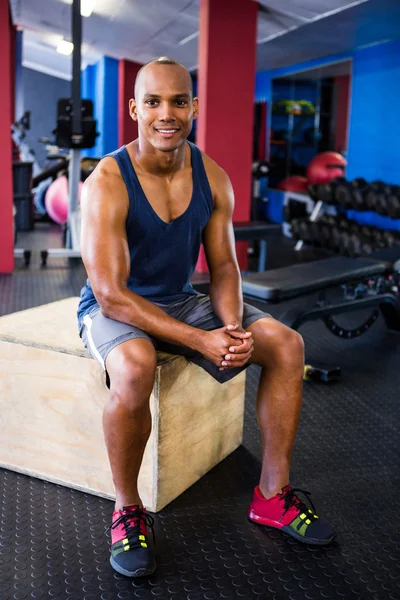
(67, 135)
(294, 183)
(56, 199)
(19, 136)
(319, 372)
(325, 167)
(350, 194)
(343, 235)
(256, 230)
(260, 170)
(366, 283)
(46, 373)
(326, 192)
(293, 107)
(77, 131)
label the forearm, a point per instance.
(128, 307)
(226, 294)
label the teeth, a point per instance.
(167, 130)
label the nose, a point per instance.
(166, 112)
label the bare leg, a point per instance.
(126, 417)
(280, 352)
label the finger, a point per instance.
(237, 361)
(244, 347)
(240, 334)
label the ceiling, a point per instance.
(335, 69)
(289, 31)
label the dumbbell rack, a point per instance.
(333, 229)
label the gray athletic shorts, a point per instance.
(101, 334)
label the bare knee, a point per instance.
(281, 345)
(132, 372)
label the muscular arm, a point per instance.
(105, 253)
(219, 245)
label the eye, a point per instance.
(181, 102)
(151, 102)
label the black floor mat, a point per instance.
(52, 541)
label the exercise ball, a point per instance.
(56, 199)
(294, 183)
(325, 167)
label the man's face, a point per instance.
(164, 107)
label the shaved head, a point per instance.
(168, 62)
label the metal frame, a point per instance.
(72, 249)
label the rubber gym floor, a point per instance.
(347, 454)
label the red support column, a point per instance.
(6, 195)
(342, 111)
(127, 128)
(13, 41)
(226, 76)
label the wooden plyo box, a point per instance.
(52, 396)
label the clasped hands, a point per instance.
(241, 349)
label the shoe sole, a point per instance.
(143, 572)
(297, 536)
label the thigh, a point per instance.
(101, 335)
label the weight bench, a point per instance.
(369, 283)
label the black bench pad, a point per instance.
(295, 280)
(254, 230)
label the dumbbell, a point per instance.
(377, 239)
(313, 191)
(326, 235)
(355, 245)
(315, 228)
(393, 203)
(327, 191)
(376, 196)
(343, 194)
(295, 229)
(359, 193)
(301, 230)
(390, 238)
(351, 244)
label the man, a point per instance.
(145, 210)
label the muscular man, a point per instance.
(145, 211)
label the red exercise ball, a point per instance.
(325, 167)
(56, 199)
(294, 183)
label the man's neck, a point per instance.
(153, 161)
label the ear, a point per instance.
(195, 108)
(133, 109)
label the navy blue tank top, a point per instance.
(163, 255)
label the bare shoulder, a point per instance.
(105, 185)
(220, 184)
(217, 177)
(106, 173)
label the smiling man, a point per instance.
(145, 211)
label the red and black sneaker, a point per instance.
(130, 552)
(288, 513)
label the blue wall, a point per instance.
(374, 148)
(264, 78)
(100, 84)
(374, 123)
